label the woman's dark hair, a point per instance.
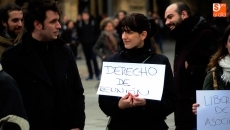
(138, 23)
(4, 13)
(36, 10)
(222, 50)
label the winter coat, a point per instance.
(4, 42)
(88, 33)
(196, 41)
(52, 100)
(152, 115)
(12, 111)
(103, 44)
(208, 82)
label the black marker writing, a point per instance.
(123, 82)
(214, 100)
(142, 71)
(221, 110)
(123, 90)
(215, 122)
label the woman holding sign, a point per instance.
(131, 112)
(218, 76)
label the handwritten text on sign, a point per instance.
(214, 110)
(146, 80)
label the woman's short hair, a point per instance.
(104, 23)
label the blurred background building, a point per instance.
(102, 8)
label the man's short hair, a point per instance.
(4, 13)
(182, 7)
(36, 10)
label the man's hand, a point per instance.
(125, 102)
(194, 108)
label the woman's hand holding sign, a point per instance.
(138, 101)
(130, 100)
(194, 108)
(125, 101)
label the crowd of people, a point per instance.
(40, 85)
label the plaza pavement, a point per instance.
(95, 118)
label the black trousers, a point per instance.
(90, 56)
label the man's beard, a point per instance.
(179, 21)
(11, 33)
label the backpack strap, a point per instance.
(215, 86)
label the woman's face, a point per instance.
(116, 22)
(109, 27)
(228, 44)
(70, 25)
(133, 39)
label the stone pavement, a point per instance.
(95, 118)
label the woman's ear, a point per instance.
(143, 35)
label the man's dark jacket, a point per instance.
(196, 41)
(12, 111)
(88, 33)
(52, 100)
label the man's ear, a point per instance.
(184, 14)
(4, 24)
(37, 25)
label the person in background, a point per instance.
(70, 36)
(63, 24)
(11, 17)
(79, 18)
(121, 14)
(196, 41)
(46, 72)
(116, 22)
(219, 67)
(149, 14)
(79, 45)
(88, 32)
(160, 26)
(131, 112)
(107, 42)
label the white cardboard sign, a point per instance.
(118, 79)
(214, 110)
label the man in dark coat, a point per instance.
(46, 72)
(12, 111)
(195, 43)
